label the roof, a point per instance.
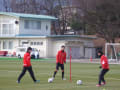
(50, 36)
(79, 36)
(23, 15)
(55, 36)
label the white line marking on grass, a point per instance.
(96, 78)
(8, 71)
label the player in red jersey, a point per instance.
(60, 60)
(27, 66)
(105, 68)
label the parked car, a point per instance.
(20, 51)
(3, 53)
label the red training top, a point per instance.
(61, 57)
(104, 62)
(27, 60)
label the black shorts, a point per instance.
(59, 65)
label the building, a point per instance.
(17, 29)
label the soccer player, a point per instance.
(27, 66)
(105, 68)
(60, 60)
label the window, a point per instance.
(5, 29)
(7, 44)
(8, 29)
(26, 25)
(46, 27)
(38, 25)
(4, 45)
(32, 24)
(31, 43)
(10, 45)
(36, 43)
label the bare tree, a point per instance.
(24, 6)
(55, 8)
(6, 5)
(105, 20)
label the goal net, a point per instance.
(112, 51)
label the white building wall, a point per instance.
(41, 48)
(42, 31)
(57, 47)
(15, 44)
(10, 20)
(49, 47)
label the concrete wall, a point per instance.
(10, 20)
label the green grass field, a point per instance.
(88, 73)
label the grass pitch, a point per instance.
(88, 73)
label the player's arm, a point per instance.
(101, 63)
(65, 58)
(57, 56)
(25, 61)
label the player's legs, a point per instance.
(31, 73)
(101, 76)
(57, 68)
(22, 74)
(62, 68)
(104, 72)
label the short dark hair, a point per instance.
(29, 48)
(62, 46)
(100, 52)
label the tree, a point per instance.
(24, 6)
(77, 24)
(56, 8)
(105, 20)
(6, 5)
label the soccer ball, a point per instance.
(79, 82)
(50, 80)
